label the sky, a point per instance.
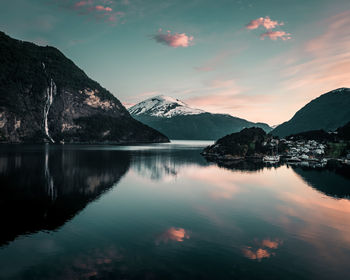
(261, 60)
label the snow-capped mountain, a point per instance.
(177, 120)
(163, 106)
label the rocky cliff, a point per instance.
(45, 97)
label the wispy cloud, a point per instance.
(82, 3)
(102, 8)
(219, 59)
(173, 40)
(226, 96)
(274, 35)
(323, 63)
(99, 9)
(265, 22)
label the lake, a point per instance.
(162, 211)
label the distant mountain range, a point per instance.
(327, 112)
(177, 120)
(45, 97)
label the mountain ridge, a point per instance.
(329, 111)
(177, 120)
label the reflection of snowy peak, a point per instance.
(163, 106)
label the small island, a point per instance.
(310, 149)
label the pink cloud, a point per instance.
(99, 9)
(274, 35)
(115, 16)
(82, 4)
(265, 22)
(173, 40)
(102, 8)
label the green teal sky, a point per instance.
(213, 57)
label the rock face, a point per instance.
(328, 112)
(177, 120)
(250, 142)
(45, 97)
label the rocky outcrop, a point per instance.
(248, 143)
(45, 97)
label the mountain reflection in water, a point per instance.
(42, 189)
(164, 212)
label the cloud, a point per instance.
(274, 35)
(266, 22)
(82, 4)
(173, 40)
(269, 24)
(102, 8)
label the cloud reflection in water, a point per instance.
(263, 251)
(173, 234)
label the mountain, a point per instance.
(163, 106)
(177, 120)
(328, 112)
(45, 97)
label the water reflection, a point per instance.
(168, 216)
(330, 181)
(265, 249)
(53, 184)
(42, 189)
(167, 164)
(173, 234)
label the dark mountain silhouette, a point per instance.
(327, 112)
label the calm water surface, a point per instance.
(163, 212)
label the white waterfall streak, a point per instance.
(50, 92)
(51, 191)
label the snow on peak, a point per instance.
(163, 106)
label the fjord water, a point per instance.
(163, 212)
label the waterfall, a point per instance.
(50, 92)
